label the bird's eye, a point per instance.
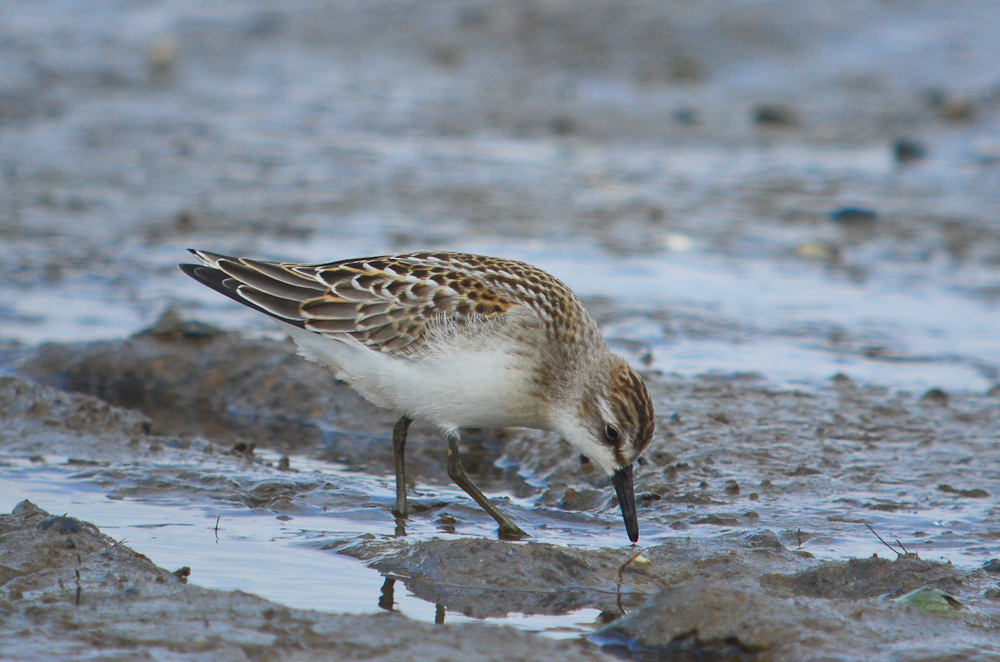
(612, 434)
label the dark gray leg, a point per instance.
(457, 472)
(398, 446)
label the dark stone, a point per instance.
(686, 115)
(62, 525)
(907, 151)
(563, 126)
(766, 539)
(853, 216)
(774, 115)
(935, 396)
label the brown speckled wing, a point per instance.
(388, 302)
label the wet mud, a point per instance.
(784, 216)
(70, 592)
(728, 573)
(731, 455)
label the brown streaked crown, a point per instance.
(633, 407)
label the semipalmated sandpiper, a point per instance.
(459, 341)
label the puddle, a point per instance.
(275, 557)
(280, 557)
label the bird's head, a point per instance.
(610, 420)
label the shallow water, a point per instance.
(696, 312)
(282, 557)
(277, 557)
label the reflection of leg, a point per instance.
(507, 528)
(398, 446)
(439, 614)
(385, 600)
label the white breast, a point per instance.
(452, 387)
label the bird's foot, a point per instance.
(510, 531)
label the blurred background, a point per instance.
(789, 188)
(784, 213)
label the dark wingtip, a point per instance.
(190, 270)
(218, 281)
(622, 479)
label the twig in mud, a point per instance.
(883, 542)
(626, 564)
(901, 547)
(621, 577)
(79, 589)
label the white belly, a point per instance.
(457, 388)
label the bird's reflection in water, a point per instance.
(385, 598)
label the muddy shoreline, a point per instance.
(750, 589)
(783, 216)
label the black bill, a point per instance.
(622, 480)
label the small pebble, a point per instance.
(686, 115)
(185, 221)
(935, 396)
(957, 110)
(907, 151)
(162, 58)
(817, 251)
(678, 243)
(774, 115)
(853, 216)
(563, 126)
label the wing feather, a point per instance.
(329, 308)
(392, 302)
(286, 309)
(282, 273)
(265, 283)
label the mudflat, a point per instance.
(783, 216)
